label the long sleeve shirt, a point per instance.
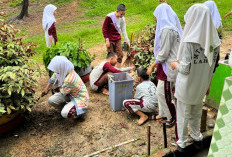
(147, 92)
(194, 74)
(170, 41)
(74, 86)
(100, 70)
(113, 27)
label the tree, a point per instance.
(24, 11)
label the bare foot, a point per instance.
(142, 119)
(158, 117)
(105, 92)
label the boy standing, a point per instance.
(113, 25)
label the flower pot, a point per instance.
(10, 122)
(84, 73)
(85, 78)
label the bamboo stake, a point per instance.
(165, 135)
(148, 140)
(115, 146)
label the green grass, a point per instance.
(139, 13)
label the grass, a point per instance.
(139, 13)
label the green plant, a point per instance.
(143, 48)
(80, 57)
(17, 78)
(14, 3)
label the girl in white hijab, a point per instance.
(48, 23)
(72, 89)
(197, 56)
(214, 13)
(167, 39)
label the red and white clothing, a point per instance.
(145, 98)
(52, 33)
(113, 27)
(99, 71)
(48, 23)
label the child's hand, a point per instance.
(174, 65)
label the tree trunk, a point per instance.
(24, 11)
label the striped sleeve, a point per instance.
(66, 88)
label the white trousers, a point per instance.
(188, 114)
(163, 107)
(47, 39)
(63, 102)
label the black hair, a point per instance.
(142, 72)
(121, 7)
(111, 54)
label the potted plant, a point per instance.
(17, 77)
(75, 52)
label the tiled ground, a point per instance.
(221, 144)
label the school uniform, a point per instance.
(112, 29)
(48, 23)
(167, 39)
(197, 54)
(217, 20)
(145, 98)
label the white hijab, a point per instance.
(61, 66)
(166, 18)
(214, 13)
(199, 28)
(48, 16)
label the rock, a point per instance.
(211, 123)
(141, 143)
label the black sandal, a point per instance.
(170, 123)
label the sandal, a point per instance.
(170, 124)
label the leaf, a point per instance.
(8, 110)
(2, 110)
(28, 108)
(9, 91)
(12, 107)
(22, 92)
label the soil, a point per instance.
(45, 133)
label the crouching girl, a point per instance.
(73, 96)
(145, 99)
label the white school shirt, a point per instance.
(170, 42)
(194, 74)
(147, 91)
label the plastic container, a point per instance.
(120, 88)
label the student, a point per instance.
(214, 13)
(113, 25)
(73, 96)
(49, 26)
(145, 99)
(167, 39)
(99, 75)
(197, 56)
(228, 14)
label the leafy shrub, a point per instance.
(80, 57)
(143, 48)
(17, 78)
